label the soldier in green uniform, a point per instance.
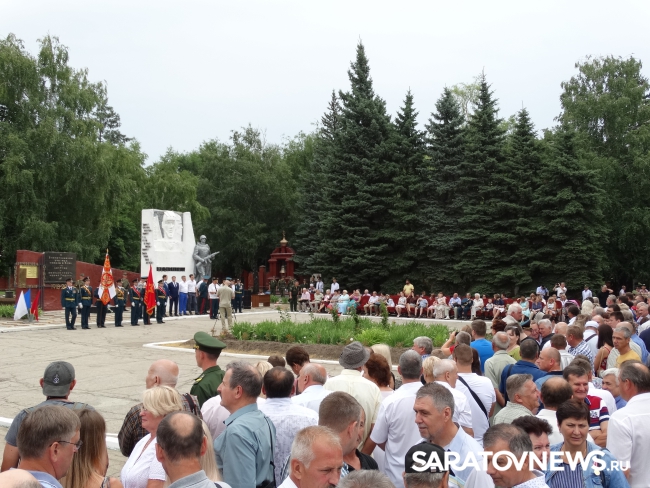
(69, 301)
(206, 352)
(86, 295)
(120, 303)
(282, 285)
(273, 285)
(294, 291)
(136, 302)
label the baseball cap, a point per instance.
(419, 456)
(57, 379)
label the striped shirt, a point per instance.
(582, 348)
(598, 412)
(567, 477)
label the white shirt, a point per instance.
(565, 358)
(191, 286)
(484, 390)
(285, 484)
(363, 390)
(373, 299)
(463, 444)
(572, 320)
(142, 466)
(397, 428)
(212, 291)
(319, 286)
(605, 396)
(586, 294)
(182, 286)
(334, 287)
(627, 438)
(215, 415)
(288, 419)
(311, 397)
(559, 290)
(462, 411)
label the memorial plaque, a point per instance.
(59, 266)
(32, 271)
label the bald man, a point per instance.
(18, 478)
(161, 373)
(310, 383)
(549, 361)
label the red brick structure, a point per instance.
(51, 293)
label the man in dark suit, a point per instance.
(172, 286)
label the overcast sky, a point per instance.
(180, 73)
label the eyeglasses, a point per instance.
(77, 445)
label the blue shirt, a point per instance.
(45, 479)
(243, 450)
(644, 350)
(620, 403)
(520, 367)
(540, 381)
(484, 348)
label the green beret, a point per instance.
(206, 343)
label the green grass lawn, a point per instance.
(320, 330)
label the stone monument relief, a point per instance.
(167, 244)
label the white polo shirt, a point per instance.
(462, 411)
(191, 286)
(397, 428)
(627, 438)
(334, 287)
(484, 390)
(182, 286)
(212, 291)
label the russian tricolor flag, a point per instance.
(23, 305)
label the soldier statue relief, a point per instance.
(203, 258)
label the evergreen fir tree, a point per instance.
(356, 233)
(408, 187)
(313, 181)
(442, 195)
(569, 203)
(486, 228)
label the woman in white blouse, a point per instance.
(142, 469)
(477, 305)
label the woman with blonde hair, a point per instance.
(427, 368)
(90, 464)
(142, 469)
(262, 367)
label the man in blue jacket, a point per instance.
(172, 294)
(529, 352)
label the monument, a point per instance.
(167, 244)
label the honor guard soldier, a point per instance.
(239, 296)
(86, 295)
(206, 352)
(161, 302)
(69, 301)
(120, 303)
(136, 302)
(294, 291)
(101, 310)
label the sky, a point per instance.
(181, 73)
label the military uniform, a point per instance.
(120, 305)
(239, 297)
(86, 296)
(101, 310)
(282, 286)
(161, 302)
(293, 299)
(205, 386)
(69, 301)
(136, 302)
(273, 285)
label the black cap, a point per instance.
(424, 455)
(69, 279)
(57, 379)
(134, 281)
(160, 281)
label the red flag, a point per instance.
(34, 310)
(150, 293)
(106, 285)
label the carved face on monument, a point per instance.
(171, 225)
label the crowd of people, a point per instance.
(552, 389)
